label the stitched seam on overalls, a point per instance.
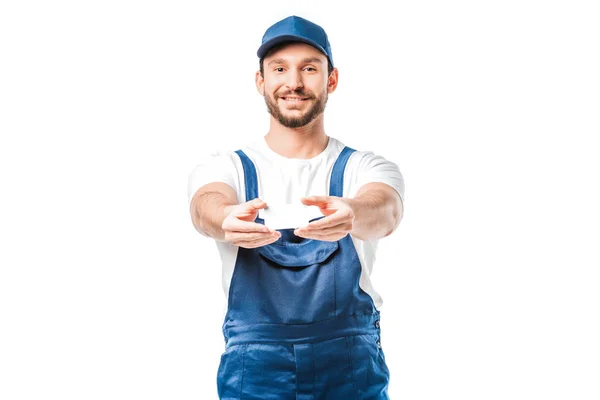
(312, 322)
(242, 379)
(220, 381)
(334, 292)
(353, 378)
(312, 353)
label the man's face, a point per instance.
(295, 84)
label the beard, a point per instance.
(317, 107)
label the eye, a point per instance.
(314, 69)
(279, 69)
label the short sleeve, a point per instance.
(371, 167)
(218, 167)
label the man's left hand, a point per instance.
(338, 221)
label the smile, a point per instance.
(293, 99)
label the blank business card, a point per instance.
(288, 216)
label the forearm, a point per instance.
(208, 212)
(377, 212)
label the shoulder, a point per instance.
(366, 159)
(220, 165)
(223, 159)
(362, 159)
(227, 156)
(359, 160)
(365, 166)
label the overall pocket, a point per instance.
(297, 281)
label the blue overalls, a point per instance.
(298, 326)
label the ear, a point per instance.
(260, 83)
(332, 81)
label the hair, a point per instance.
(278, 47)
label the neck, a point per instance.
(304, 142)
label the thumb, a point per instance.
(315, 200)
(256, 204)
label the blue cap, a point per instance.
(296, 29)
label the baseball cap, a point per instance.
(296, 29)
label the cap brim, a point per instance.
(264, 48)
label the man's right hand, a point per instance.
(240, 229)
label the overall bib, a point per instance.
(298, 326)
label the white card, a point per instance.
(288, 216)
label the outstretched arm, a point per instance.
(375, 212)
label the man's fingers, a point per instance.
(250, 244)
(315, 200)
(322, 223)
(332, 220)
(256, 204)
(248, 208)
(238, 225)
(342, 226)
(337, 232)
(250, 237)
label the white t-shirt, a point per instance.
(283, 180)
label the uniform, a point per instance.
(302, 319)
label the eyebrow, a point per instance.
(306, 60)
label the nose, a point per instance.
(294, 80)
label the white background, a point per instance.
(490, 109)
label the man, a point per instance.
(302, 319)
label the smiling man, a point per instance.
(302, 319)
(309, 104)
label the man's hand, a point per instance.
(240, 229)
(338, 221)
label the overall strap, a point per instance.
(250, 179)
(336, 183)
